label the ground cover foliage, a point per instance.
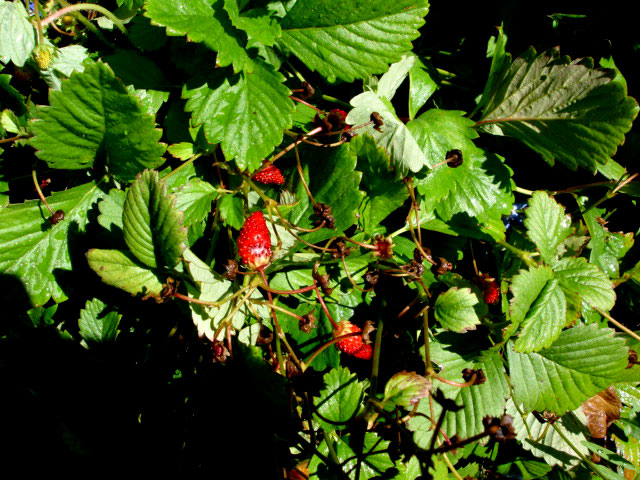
(319, 239)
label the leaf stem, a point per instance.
(523, 255)
(573, 447)
(14, 139)
(626, 330)
(40, 194)
(428, 368)
(524, 191)
(375, 365)
(39, 23)
(451, 467)
(85, 6)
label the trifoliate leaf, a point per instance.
(564, 111)
(17, 35)
(578, 276)
(547, 225)
(341, 399)
(93, 117)
(96, 326)
(332, 179)
(405, 389)
(194, 201)
(545, 319)
(454, 310)
(384, 193)
(582, 361)
(543, 440)
(246, 113)
(421, 87)
(151, 224)
(352, 40)
(120, 269)
(478, 401)
(359, 458)
(203, 21)
(37, 252)
(211, 287)
(394, 136)
(259, 24)
(232, 211)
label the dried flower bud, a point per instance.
(57, 217)
(307, 323)
(323, 212)
(168, 289)
(468, 374)
(220, 352)
(454, 158)
(500, 429)
(377, 120)
(265, 336)
(633, 358)
(441, 266)
(231, 269)
(309, 91)
(372, 277)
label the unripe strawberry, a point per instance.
(42, 56)
(269, 174)
(254, 242)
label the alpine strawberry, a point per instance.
(269, 174)
(352, 345)
(490, 288)
(254, 242)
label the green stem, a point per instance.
(428, 368)
(40, 194)
(39, 23)
(85, 6)
(523, 255)
(331, 99)
(375, 366)
(573, 447)
(524, 191)
(90, 26)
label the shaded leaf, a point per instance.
(454, 310)
(526, 286)
(405, 389)
(351, 41)
(95, 326)
(120, 269)
(93, 116)
(341, 399)
(258, 23)
(232, 210)
(17, 35)
(111, 208)
(564, 111)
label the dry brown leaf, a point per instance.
(601, 411)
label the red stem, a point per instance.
(324, 307)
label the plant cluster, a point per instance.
(285, 204)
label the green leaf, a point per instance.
(67, 60)
(495, 50)
(384, 193)
(543, 440)
(232, 210)
(545, 319)
(394, 136)
(120, 269)
(454, 310)
(182, 150)
(544, 101)
(111, 209)
(95, 326)
(547, 225)
(405, 389)
(391, 81)
(583, 361)
(211, 287)
(17, 35)
(145, 36)
(152, 226)
(421, 87)
(203, 21)
(453, 355)
(93, 117)
(258, 23)
(332, 179)
(587, 280)
(341, 399)
(194, 201)
(246, 113)
(34, 250)
(349, 41)
(526, 287)
(360, 458)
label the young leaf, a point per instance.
(405, 389)
(120, 269)
(96, 327)
(194, 200)
(578, 276)
(583, 361)
(94, 116)
(526, 287)
(33, 249)
(547, 225)
(340, 400)
(351, 40)
(152, 226)
(454, 310)
(246, 113)
(17, 35)
(564, 111)
(544, 321)
(384, 193)
(394, 136)
(203, 21)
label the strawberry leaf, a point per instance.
(547, 225)
(565, 111)
(258, 23)
(526, 287)
(231, 210)
(582, 361)
(111, 208)
(120, 269)
(454, 310)
(203, 21)
(384, 193)
(17, 35)
(421, 86)
(349, 41)
(34, 250)
(578, 276)
(92, 117)
(95, 325)
(340, 400)
(194, 201)
(246, 113)
(152, 227)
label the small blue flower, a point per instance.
(515, 217)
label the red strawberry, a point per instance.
(337, 118)
(254, 242)
(489, 287)
(269, 174)
(352, 345)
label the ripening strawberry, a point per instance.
(269, 174)
(489, 287)
(254, 242)
(352, 345)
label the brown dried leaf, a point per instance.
(601, 411)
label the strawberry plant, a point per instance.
(319, 239)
